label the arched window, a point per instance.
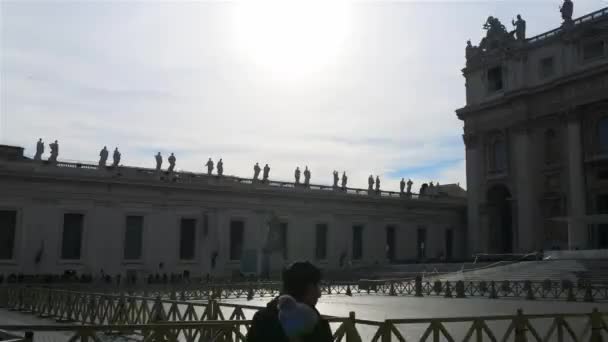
(602, 131)
(551, 147)
(497, 154)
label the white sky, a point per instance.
(366, 87)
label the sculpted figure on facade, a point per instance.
(306, 176)
(370, 183)
(220, 167)
(297, 175)
(520, 28)
(39, 150)
(209, 166)
(423, 189)
(116, 157)
(256, 171)
(54, 151)
(336, 178)
(344, 180)
(402, 186)
(103, 156)
(159, 161)
(409, 186)
(377, 183)
(171, 160)
(496, 35)
(266, 172)
(567, 10)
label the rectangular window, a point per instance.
(357, 242)
(449, 243)
(593, 50)
(134, 229)
(8, 227)
(283, 232)
(236, 239)
(187, 240)
(321, 242)
(72, 236)
(495, 79)
(546, 67)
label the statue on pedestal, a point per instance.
(209, 166)
(116, 157)
(306, 176)
(567, 9)
(266, 173)
(344, 180)
(220, 167)
(370, 182)
(409, 186)
(256, 171)
(377, 183)
(171, 160)
(103, 156)
(297, 175)
(520, 28)
(423, 189)
(54, 151)
(336, 178)
(159, 161)
(39, 150)
(431, 189)
(402, 186)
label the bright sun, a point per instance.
(291, 39)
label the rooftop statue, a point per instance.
(256, 171)
(209, 166)
(220, 167)
(266, 172)
(159, 161)
(496, 35)
(520, 28)
(306, 176)
(409, 186)
(39, 149)
(567, 9)
(336, 178)
(54, 151)
(370, 183)
(402, 186)
(103, 156)
(297, 175)
(344, 180)
(171, 160)
(116, 157)
(377, 183)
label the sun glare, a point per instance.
(291, 39)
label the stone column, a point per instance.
(474, 160)
(577, 231)
(525, 235)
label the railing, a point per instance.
(586, 18)
(183, 177)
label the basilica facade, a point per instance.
(536, 136)
(57, 216)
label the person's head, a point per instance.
(301, 280)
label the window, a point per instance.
(8, 226)
(357, 242)
(134, 229)
(187, 239)
(551, 147)
(546, 67)
(495, 79)
(321, 245)
(283, 239)
(72, 236)
(602, 131)
(593, 50)
(236, 239)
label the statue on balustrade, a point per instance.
(54, 151)
(567, 9)
(344, 180)
(116, 157)
(209, 166)
(256, 171)
(159, 161)
(520, 28)
(220, 167)
(306, 176)
(431, 189)
(297, 175)
(409, 186)
(496, 35)
(423, 189)
(336, 178)
(103, 156)
(266, 173)
(39, 150)
(171, 160)
(377, 183)
(370, 182)
(402, 186)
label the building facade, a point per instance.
(57, 216)
(536, 136)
